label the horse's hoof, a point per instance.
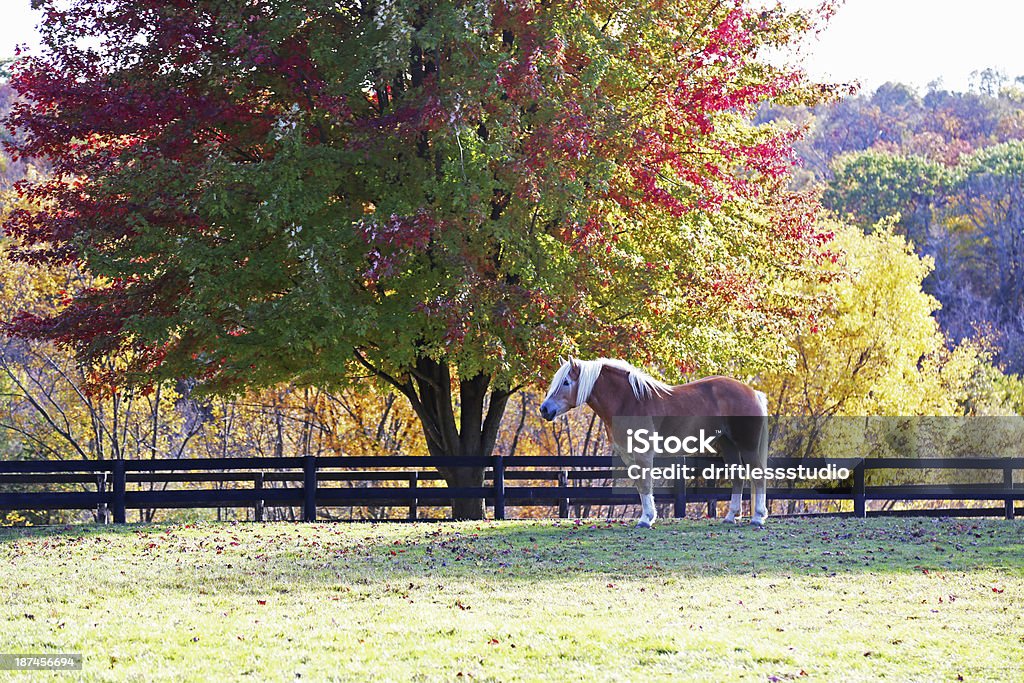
(643, 524)
(759, 523)
(728, 520)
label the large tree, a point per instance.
(443, 194)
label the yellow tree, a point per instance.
(878, 349)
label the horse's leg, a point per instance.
(736, 501)
(649, 511)
(758, 502)
(732, 455)
(645, 487)
(647, 503)
(644, 484)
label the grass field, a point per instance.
(842, 600)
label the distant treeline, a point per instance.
(948, 169)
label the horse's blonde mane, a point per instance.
(643, 385)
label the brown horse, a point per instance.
(628, 400)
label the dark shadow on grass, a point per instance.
(240, 556)
(787, 548)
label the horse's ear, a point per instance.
(562, 361)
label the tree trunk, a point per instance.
(467, 508)
(470, 433)
(474, 436)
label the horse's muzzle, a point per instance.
(547, 412)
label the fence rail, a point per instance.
(412, 481)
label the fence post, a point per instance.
(860, 508)
(499, 487)
(101, 507)
(119, 490)
(563, 498)
(257, 485)
(712, 508)
(1008, 483)
(679, 507)
(414, 502)
(309, 488)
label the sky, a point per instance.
(870, 41)
(917, 41)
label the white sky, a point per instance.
(917, 41)
(873, 41)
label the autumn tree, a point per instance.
(45, 404)
(981, 276)
(991, 194)
(868, 187)
(444, 194)
(878, 349)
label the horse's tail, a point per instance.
(762, 400)
(762, 446)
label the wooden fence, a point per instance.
(411, 482)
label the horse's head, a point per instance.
(562, 393)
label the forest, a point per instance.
(946, 171)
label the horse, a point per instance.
(625, 396)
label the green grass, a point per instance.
(848, 600)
